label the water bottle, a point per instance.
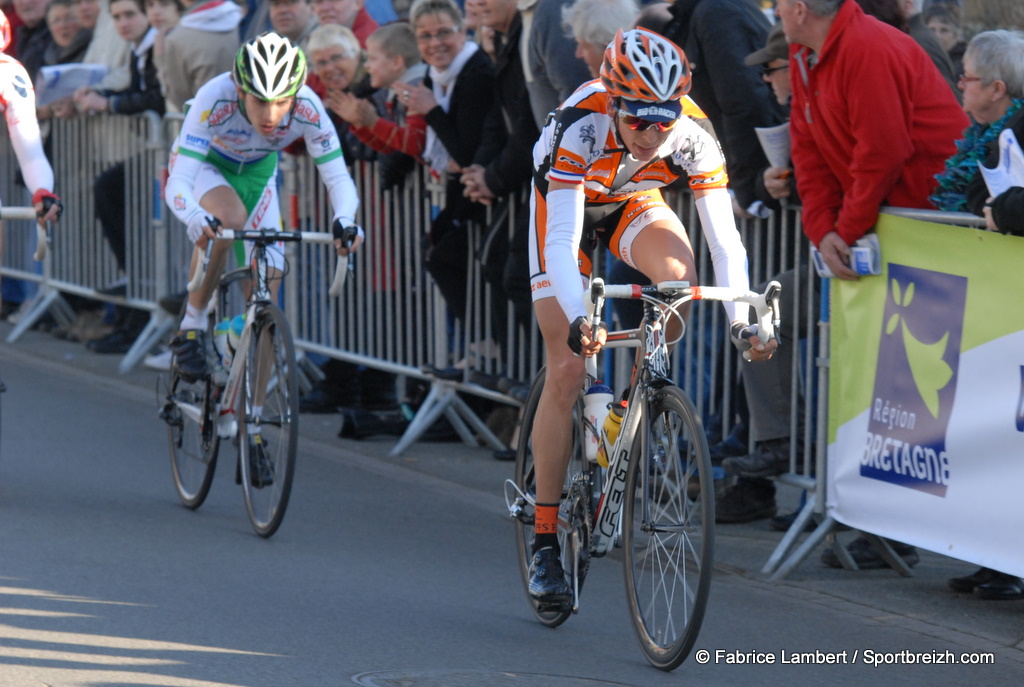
(612, 425)
(235, 331)
(220, 341)
(595, 407)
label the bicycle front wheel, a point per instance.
(268, 413)
(574, 515)
(192, 438)
(668, 529)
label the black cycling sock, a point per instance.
(542, 540)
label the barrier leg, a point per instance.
(433, 406)
(825, 528)
(443, 399)
(888, 555)
(155, 331)
(46, 300)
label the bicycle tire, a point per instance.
(574, 508)
(193, 445)
(270, 364)
(669, 552)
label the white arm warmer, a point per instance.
(341, 189)
(727, 252)
(561, 248)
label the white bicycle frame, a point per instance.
(226, 417)
(607, 519)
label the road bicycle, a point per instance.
(254, 403)
(655, 500)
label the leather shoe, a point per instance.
(1002, 587)
(748, 500)
(118, 341)
(967, 583)
(867, 557)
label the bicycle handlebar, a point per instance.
(673, 293)
(269, 236)
(42, 232)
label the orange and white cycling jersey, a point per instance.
(18, 103)
(579, 145)
(621, 196)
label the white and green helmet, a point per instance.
(270, 67)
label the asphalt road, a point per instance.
(383, 574)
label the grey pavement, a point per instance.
(920, 605)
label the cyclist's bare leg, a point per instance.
(223, 203)
(552, 424)
(662, 252)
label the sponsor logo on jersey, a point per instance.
(196, 141)
(305, 112)
(220, 113)
(179, 202)
(20, 86)
(261, 209)
(324, 140)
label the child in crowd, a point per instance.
(394, 64)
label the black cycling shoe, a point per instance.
(548, 587)
(189, 350)
(261, 468)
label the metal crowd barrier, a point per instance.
(391, 316)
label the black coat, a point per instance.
(507, 149)
(1008, 208)
(716, 36)
(461, 128)
(143, 92)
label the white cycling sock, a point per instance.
(194, 317)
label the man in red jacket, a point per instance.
(872, 121)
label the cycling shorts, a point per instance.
(615, 224)
(256, 186)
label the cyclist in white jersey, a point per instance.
(18, 103)
(223, 168)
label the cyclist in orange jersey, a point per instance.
(598, 169)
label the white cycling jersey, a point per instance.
(216, 132)
(18, 102)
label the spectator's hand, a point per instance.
(476, 185)
(778, 182)
(739, 210)
(91, 102)
(836, 254)
(989, 221)
(64, 108)
(355, 111)
(417, 99)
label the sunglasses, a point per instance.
(637, 124)
(768, 71)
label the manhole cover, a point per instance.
(472, 678)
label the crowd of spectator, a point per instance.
(464, 92)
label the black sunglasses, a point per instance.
(768, 71)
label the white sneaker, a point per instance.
(159, 361)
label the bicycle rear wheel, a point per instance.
(574, 513)
(268, 413)
(668, 529)
(192, 438)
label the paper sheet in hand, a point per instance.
(1010, 170)
(62, 80)
(775, 143)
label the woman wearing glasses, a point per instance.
(454, 99)
(599, 166)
